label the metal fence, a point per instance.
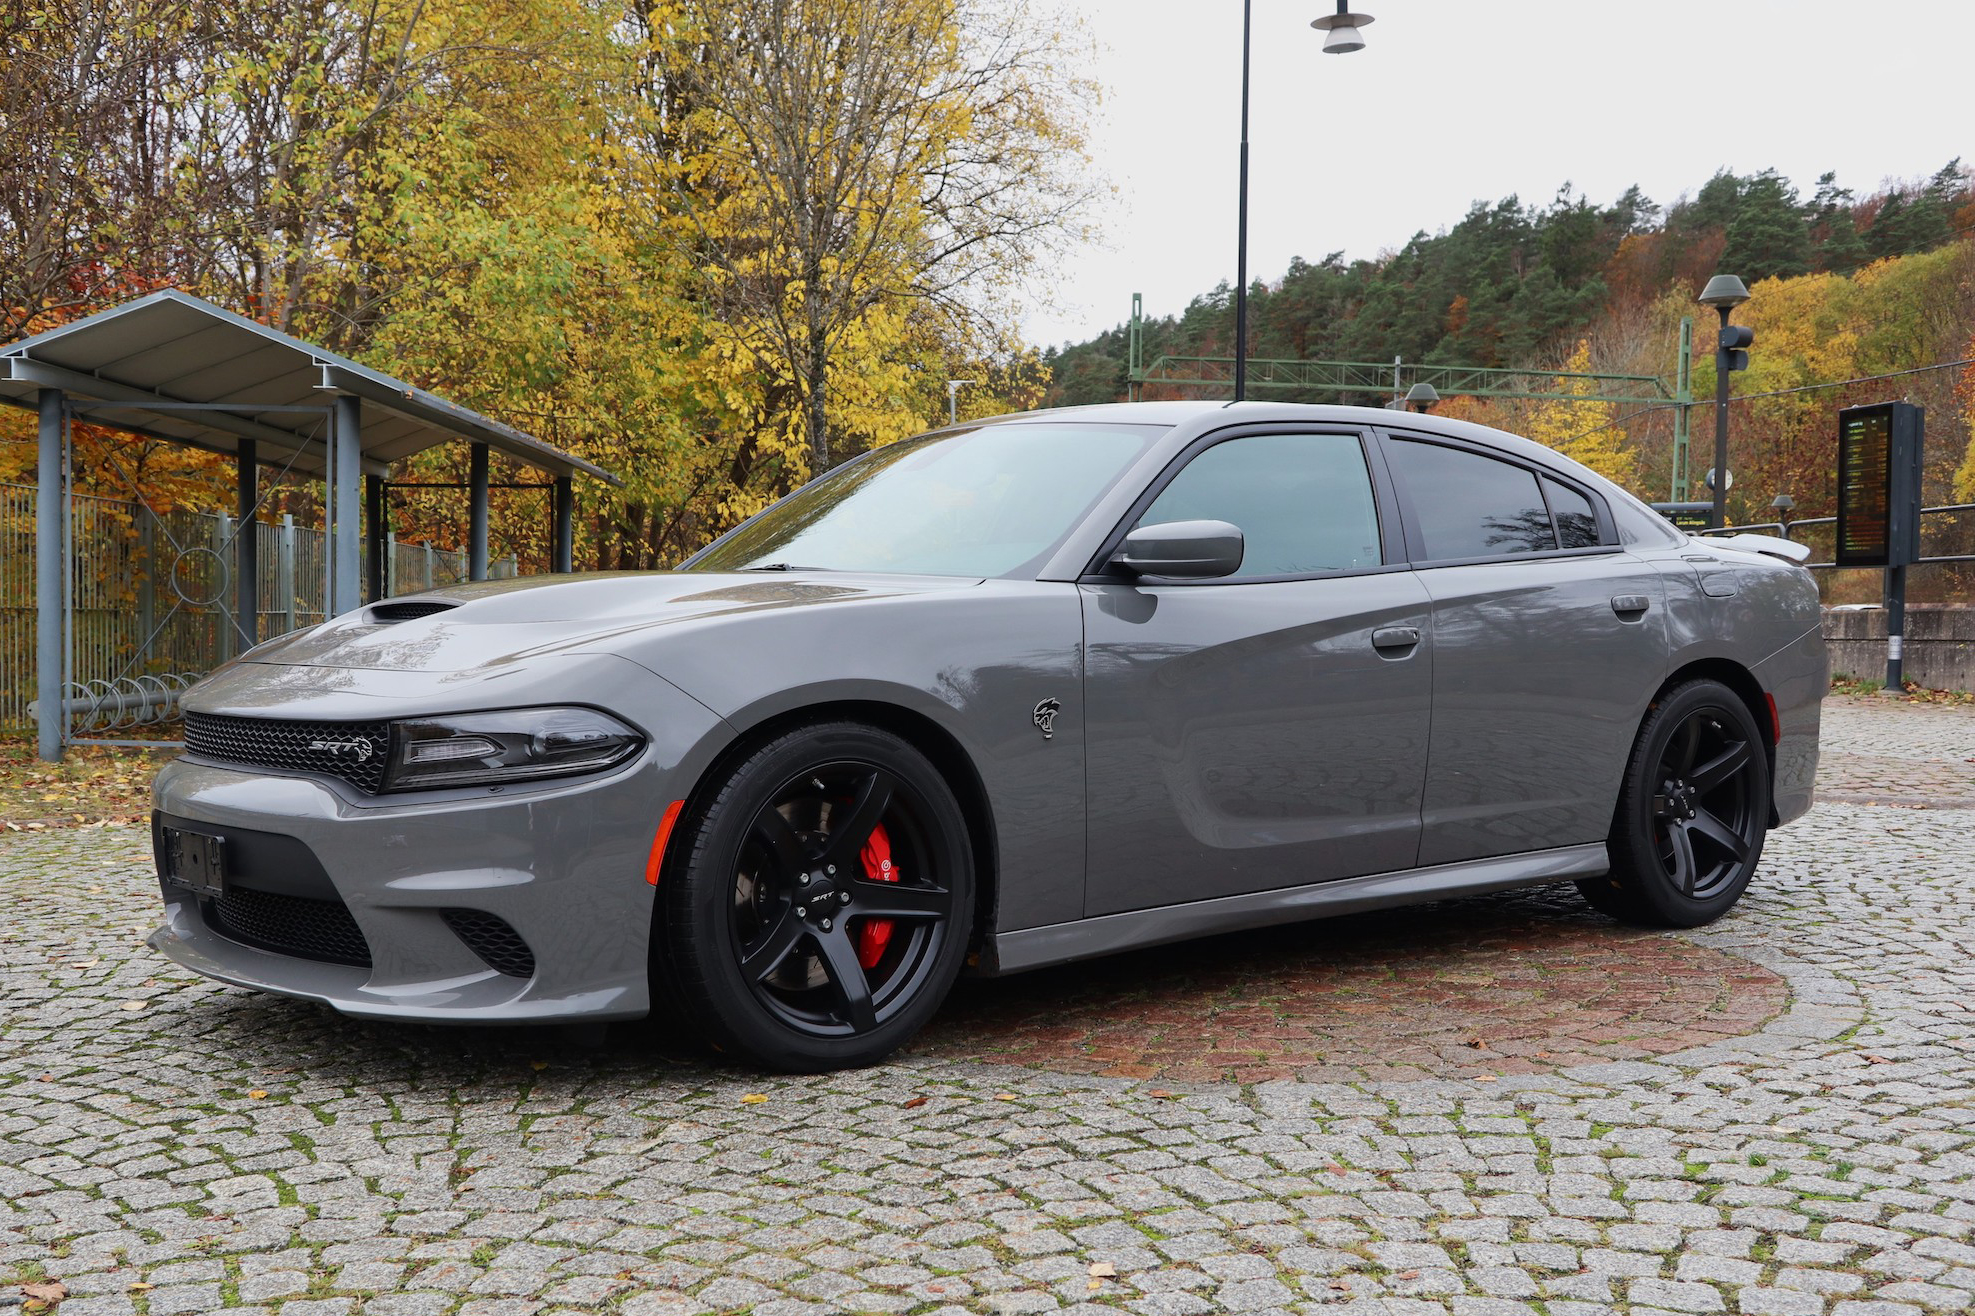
(150, 601)
(1947, 546)
(1948, 537)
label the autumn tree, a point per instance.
(91, 111)
(848, 169)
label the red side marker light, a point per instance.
(1775, 722)
(665, 825)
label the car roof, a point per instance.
(1199, 416)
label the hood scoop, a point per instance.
(390, 613)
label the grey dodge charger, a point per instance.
(1000, 696)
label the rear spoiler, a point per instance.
(1787, 549)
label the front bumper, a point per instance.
(561, 863)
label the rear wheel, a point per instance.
(824, 909)
(1692, 813)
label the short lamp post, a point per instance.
(953, 387)
(1422, 397)
(1783, 505)
(1725, 292)
(1342, 34)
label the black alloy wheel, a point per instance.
(1692, 814)
(782, 937)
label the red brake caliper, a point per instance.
(875, 934)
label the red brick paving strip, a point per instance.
(1512, 984)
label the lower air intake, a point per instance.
(493, 939)
(290, 925)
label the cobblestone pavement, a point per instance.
(168, 1145)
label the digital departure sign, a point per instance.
(1687, 516)
(1879, 485)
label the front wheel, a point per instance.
(824, 907)
(1692, 813)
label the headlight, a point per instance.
(519, 744)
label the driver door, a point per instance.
(1266, 729)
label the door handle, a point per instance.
(1395, 637)
(1630, 605)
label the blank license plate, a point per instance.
(196, 860)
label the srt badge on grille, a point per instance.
(360, 750)
(1045, 716)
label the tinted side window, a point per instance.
(1471, 506)
(1303, 501)
(1577, 522)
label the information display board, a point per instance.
(1687, 516)
(1879, 485)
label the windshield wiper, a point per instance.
(782, 566)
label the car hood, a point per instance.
(492, 623)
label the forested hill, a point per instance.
(1516, 285)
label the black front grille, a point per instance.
(307, 929)
(491, 938)
(354, 751)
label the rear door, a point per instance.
(1268, 729)
(1549, 639)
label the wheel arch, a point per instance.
(1743, 682)
(924, 734)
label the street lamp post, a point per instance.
(953, 387)
(1724, 292)
(1342, 36)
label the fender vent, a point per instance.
(493, 939)
(409, 610)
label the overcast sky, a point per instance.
(1454, 101)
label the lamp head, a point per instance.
(1724, 291)
(1342, 30)
(1421, 396)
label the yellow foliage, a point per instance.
(1581, 430)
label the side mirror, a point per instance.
(1190, 549)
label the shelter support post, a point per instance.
(476, 566)
(376, 565)
(246, 547)
(51, 509)
(565, 524)
(345, 513)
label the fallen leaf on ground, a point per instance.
(753, 1099)
(258, 1093)
(85, 964)
(538, 1065)
(1878, 1060)
(141, 1286)
(1103, 1270)
(52, 1291)
(1162, 1094)
(1407, 1274)
(1485, 1078)
(1004, 1096)
(1335, 1168)
(1478, 1043)
(134, 1005)
(1342, 1286)
(916, 1102)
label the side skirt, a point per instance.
(1057, 943)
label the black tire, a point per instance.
(1692, 815)
(762, 913)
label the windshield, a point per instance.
(984, 502)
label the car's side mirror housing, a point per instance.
(1197, 550)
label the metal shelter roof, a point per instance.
(173, 348)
